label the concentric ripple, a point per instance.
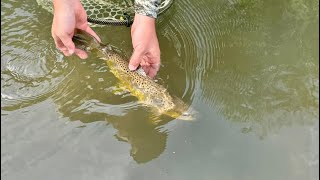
(247, 65)
(30, 66)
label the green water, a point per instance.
(249, 68)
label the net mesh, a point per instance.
(107, 9)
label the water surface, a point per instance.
(249, 68)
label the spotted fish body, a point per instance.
(144, 88)
(138, 84)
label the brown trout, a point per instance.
(136, 82)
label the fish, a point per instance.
(144, 88)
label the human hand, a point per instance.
(68, 16)
(145, 44)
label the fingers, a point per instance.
(90, 31)
(150, 69)
(154, 67)
(67, 47)
(152, 73)
(153, 70)
(60, 45)
(82, 54)
(68, 43)
(146, 69)
(135, 59)
(64, 43)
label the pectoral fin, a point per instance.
(118, 90)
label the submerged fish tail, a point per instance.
(86, 41)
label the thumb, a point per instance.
(135, 59)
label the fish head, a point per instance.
(181, 111)
(188, 115)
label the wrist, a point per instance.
(64, 1)
(146, 20)
(61, 4)
(148, 24)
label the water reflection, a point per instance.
(147, 141)
(78, 102)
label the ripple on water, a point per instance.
(265, 77)
(31, 68)
(232, 57)
(227, 47)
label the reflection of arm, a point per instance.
(147, 7)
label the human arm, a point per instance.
(144, 37)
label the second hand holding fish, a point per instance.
(146, 47)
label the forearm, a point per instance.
(147, 7)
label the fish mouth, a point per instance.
(185, 118)
(188, 115)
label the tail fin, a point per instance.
(84, 40)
